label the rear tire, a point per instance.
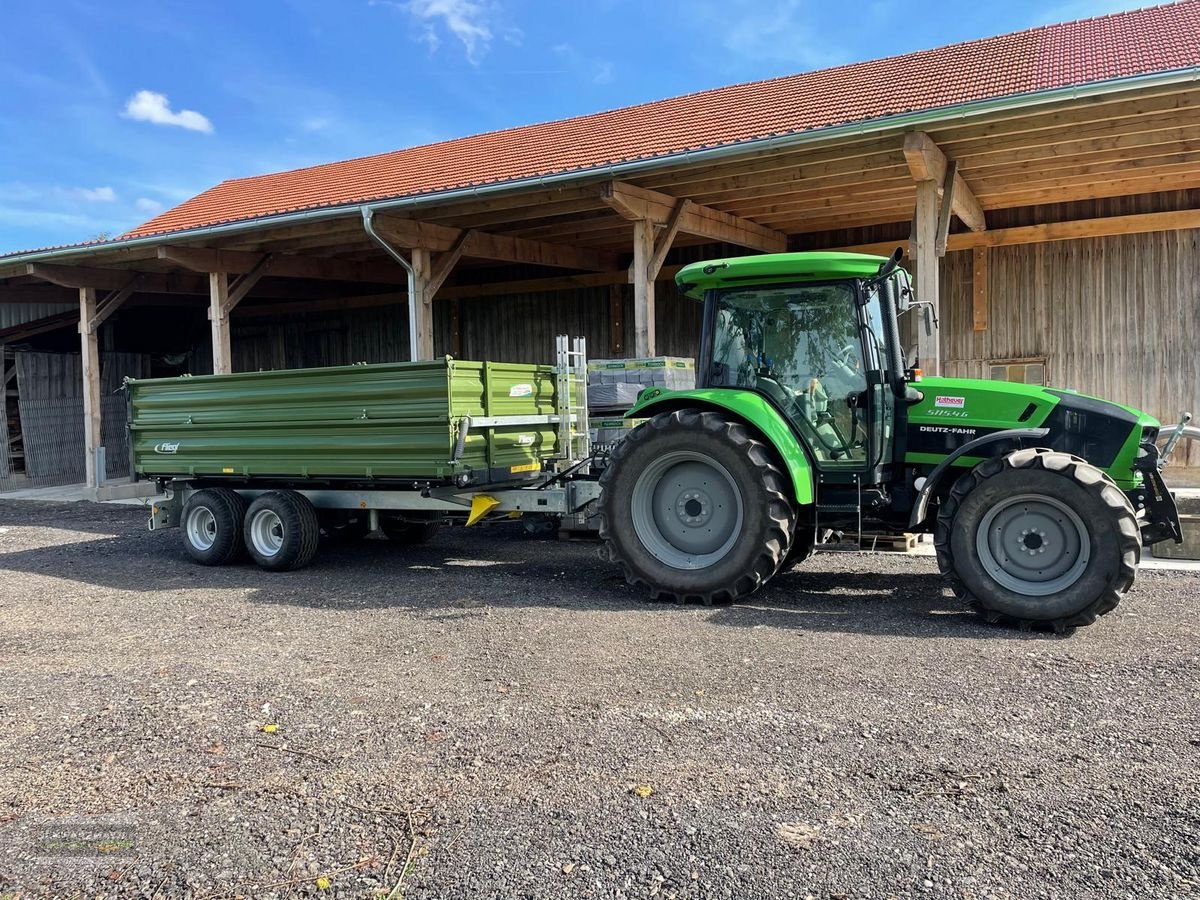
(1038, 538)
(694, 507)
(281, 531)
(212, 526)
(803, 546)
(403, 531)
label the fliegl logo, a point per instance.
(167, 447)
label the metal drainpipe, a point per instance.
(369, 227)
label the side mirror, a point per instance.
(927, 318)
(904, 293)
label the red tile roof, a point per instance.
(1157, 39)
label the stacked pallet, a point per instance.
(614, 386)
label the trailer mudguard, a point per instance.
(753, 410)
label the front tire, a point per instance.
(1038, 538)
(694, 507)
(282, 531)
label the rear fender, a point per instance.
(750, 409)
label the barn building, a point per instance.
(1045, 186)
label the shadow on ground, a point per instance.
(498, 566)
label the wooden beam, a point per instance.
(546, 285)
(483, 245)
(79, 277)
(111, 303)
(241, 262)
(242, 287)
(90, 357)
(946, 209)
(218, 315)
(979, 288)
(662, 245)
(37, 293)
(643, 289)
(642, 204)
(444, 264)
(335, 304)
(927, 162)
(925, 254)
(26, 330)
(1105, 226)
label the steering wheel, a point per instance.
(847, 358)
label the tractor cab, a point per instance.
(808, 332)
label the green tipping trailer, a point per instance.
(267, 462)
(375, 423)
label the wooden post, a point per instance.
(643, 288)
(455, 328)
(422, 300)
(979, 284)
(616, 320)
(927, 271)
(218, 314)
(90, 356)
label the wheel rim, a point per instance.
(202, 528)
(266, 532)
(1033, 544)
(687, 510)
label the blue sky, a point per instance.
(111, 110)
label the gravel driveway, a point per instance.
(496, 716)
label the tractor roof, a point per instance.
(696, 278)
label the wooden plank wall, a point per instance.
(318, 339)
(522, 328)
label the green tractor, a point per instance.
(807, 421)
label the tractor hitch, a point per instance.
(1154, 497)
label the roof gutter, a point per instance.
(632, 167)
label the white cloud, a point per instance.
(780, 33)
(317, 123)
(475, 23)
(602, 72)
(150, 106)
(98, 195)
(146, 205)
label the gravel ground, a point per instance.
(497, 716)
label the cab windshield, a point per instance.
(799, 345)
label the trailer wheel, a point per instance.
(282, 531)
(1038, 538)
(694, 507)
(404, 531)
(212, 526)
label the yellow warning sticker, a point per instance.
(525, 467)
(228, 470)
